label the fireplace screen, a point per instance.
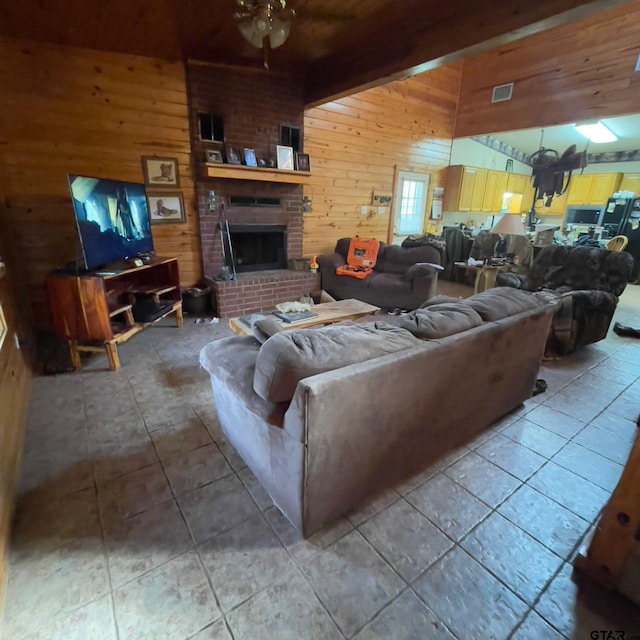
(259, 247)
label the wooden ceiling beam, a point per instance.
(413, 36)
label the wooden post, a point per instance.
(618, 527)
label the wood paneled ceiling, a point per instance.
(338, 46)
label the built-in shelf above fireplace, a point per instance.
(240, 172)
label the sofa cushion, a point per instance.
(501, 302)
(440, 320)
(289, 356)
(397, 259)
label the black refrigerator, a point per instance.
(615, 215)
(631, 229)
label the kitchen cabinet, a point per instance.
(557, 208)
(477, 193)
(527, 195)
(459, 190)
(593, 188)
(475, 189)
(516, 183)
(603, 186)
(494, 191)
(630, 182)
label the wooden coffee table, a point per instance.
(328, 313)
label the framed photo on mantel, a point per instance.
(284, 156)
(302, 162)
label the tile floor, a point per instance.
(137, 520)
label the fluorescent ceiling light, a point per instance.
(596, 132)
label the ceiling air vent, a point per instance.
(502, 92)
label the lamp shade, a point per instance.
(509, 225)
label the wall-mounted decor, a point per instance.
(284, 157)
(233, 155)
(250, 158)
(166, 208)
(302, 162)
(162, 172)
(381, 199)
(213, 155)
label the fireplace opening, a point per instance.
(259, 247)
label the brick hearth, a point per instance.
(261, 290)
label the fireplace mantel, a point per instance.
(240, 172)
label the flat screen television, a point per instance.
(112, 219)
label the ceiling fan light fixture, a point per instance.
(279, 32)
(249, 32)
(596, 132)
(264, 18)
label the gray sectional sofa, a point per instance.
(326, 417)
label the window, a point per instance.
(411, 208)
(211, 127)
(290, 137)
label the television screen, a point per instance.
(112, 218)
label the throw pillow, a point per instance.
(289, 356)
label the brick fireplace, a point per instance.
(261, 289)
(253, 104)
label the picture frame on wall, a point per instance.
(284, 157)
(250, 158)
(166, 208)
(302, 162)
(214, 155)
(233, 155)
(160, 172)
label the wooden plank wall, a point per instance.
(15, 381)
(66, 110)
(580, 71)
(356, 143)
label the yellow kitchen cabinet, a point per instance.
(630, 182)
(479, 185)
(557, 208)
(516, 183)
(458, 193)
(579, 189)
(480, 190)
(593, 188)
(490, 191)
(494, 191)
(527, 195)
(501, 188)
(603, 186)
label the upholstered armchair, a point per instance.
(402, 277)
(587, 283)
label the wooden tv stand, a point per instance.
(93, 311)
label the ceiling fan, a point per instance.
(261, 20)
(266, 24)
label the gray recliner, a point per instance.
(587, 282)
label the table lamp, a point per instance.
(509, 225)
